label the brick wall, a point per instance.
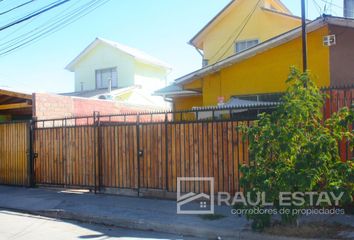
(52, 106)
(49, 106)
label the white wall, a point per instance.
(103, 56)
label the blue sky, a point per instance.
(158, 27)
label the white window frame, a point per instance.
(113, 75)
(249, 43)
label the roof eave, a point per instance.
(276, 41)
(194, 38)
(284, 6)
(281, 13)
(166, 67)
(194, 42)
(177, 94)
(71, 66)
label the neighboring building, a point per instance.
(51, 106)
(240, 25)
(15, 105)
(133, 76)
(264, 68)
(104, 63)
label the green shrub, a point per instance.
(295, 150)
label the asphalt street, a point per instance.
(18, 226)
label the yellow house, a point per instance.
(106, 67)
(240, 25)
(259, 72)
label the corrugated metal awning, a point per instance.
(237, 103)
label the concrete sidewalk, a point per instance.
(119, 211)
(132, 213)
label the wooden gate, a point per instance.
(107, 154)
(15, 153)
(117, 157)
(153, 154)
(65, 156)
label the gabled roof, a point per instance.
(264, 46)
(226, 10)
(174, 90)
(137, 54)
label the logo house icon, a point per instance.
(192, 198)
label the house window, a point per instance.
(243, 45)
(103, 76)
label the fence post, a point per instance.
(166, 143)
(138, 149)
(98, 152)
(94, 165)
(32, 154)
(66, 143)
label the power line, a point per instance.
(18, 29)
(337, 6)
(332, 4)
(318, 7)
(47, 23)
(18, 6)
(231, 37)
(32, 34)
(32, 15)
(246, 21)
(56, 26)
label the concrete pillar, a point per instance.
(348, 9)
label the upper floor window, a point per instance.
(103, 77)
(243, 45)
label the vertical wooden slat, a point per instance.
(169, 155)
(201, 156)
(191, 156)
(136, 158)
(215, 157)
(187, 157)
(13, 153)
(225, 158)
(177, 147)
(173, 160)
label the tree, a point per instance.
(295, 150)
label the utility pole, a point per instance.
(304, 35)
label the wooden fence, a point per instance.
(135, 152)
(141, 156)
(65, 156)
(15, 153)
(336, 100)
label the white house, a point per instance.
(129, 71)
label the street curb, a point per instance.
(180, 229)
(184, 230)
